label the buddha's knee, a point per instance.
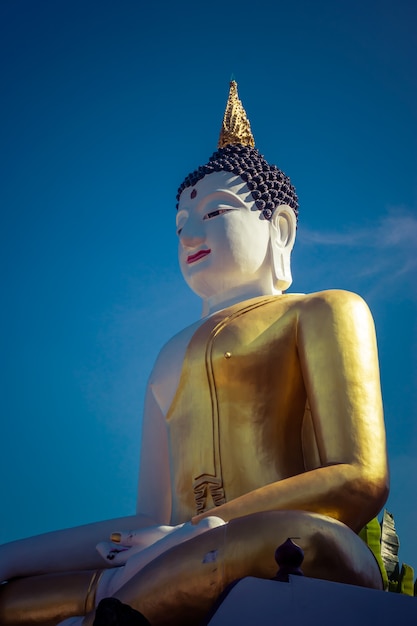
(185, 582)
(332, 551)
(47, 599)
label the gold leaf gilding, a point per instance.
(236, 127)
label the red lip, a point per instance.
(198, 255)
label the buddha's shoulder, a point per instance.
(174, 350)
(329, 298)
(332, 302)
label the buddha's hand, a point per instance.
(131, 552)
(123, 545)
(148, 543)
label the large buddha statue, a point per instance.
(263, 421)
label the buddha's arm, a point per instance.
(75, 548)
(337, 350)
(63, 550)
(154, 487)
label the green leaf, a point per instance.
(371, 535)
(406, 580)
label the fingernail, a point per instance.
(116, 537)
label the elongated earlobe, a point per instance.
(282, 233)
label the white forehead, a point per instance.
(211, 186)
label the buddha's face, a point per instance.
(223, 238)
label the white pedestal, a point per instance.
(311, 602)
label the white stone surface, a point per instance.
(308, 601)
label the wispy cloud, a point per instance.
(350, 239)
(386, 248)
(398, 228)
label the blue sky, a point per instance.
(105, 108)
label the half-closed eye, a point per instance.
(208, 216)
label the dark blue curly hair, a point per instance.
(268, 185)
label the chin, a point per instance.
(200, 288)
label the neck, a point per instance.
(238, 294)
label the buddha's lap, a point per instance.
(185, 581)
(199, 570)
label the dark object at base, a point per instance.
(289, 557)
(112, 612)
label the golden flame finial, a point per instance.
(235, 127)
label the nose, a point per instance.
(192, 234)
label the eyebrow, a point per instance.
(220, 192)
